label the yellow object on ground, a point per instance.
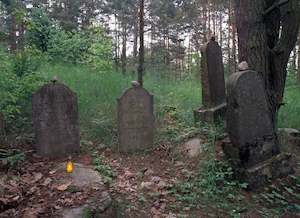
(70, 166)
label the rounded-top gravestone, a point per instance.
(135, 119)
(253, 150)
(55, 120)
(249, 122)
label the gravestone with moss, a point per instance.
(135, 119)
(213, 84)
(253, 147)
(55, 120)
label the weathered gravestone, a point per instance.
(213, 84)
(135, 119)
(253, 144)
(55, 120)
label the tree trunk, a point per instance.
(12, 33)
(135, 36)
(232, 38)
(267, 36)
(221, 29)
(141, 51)
(294, 60)
(117, 45)
(124, 49)
(298, 58)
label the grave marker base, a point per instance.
(210, 115)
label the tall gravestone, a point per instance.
(135, 120)
(55, 120)
(253, 147)
(213, 84)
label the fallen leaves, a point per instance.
(63, 187)
(37, 177)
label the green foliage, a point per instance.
(67, 46)
(289, 112)
(17, 84)
(27, 61)
(99, 54)
(214, 182)
(174, 128)
(39, 28)
(92, 47)
(11, 158)
(105, 170)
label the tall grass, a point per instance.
(98, 92)
(289, 115)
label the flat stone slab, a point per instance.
(278, 166)
(289, 138)
(82, 176)
(210, 115)
(194, 147)
(85, 178)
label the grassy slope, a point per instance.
(97, 93)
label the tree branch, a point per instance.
(274, 6)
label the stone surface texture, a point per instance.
(85, 178)
(289, 138)
(213, 84)
(55, 120)
(253, 148)
(135, 120)
(194, 147)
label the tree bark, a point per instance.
(135, 35)
(124, 48)
(267, 35)
(141, 50)
(298, 69)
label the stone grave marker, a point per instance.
(253, 145)
(135, 119)
(55, 120)
(213, 84)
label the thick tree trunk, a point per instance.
(266, 45)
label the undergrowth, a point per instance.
(214, 182)
(105, 170)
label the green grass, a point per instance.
(289, 114)
(98, 92)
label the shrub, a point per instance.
(16, 88)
